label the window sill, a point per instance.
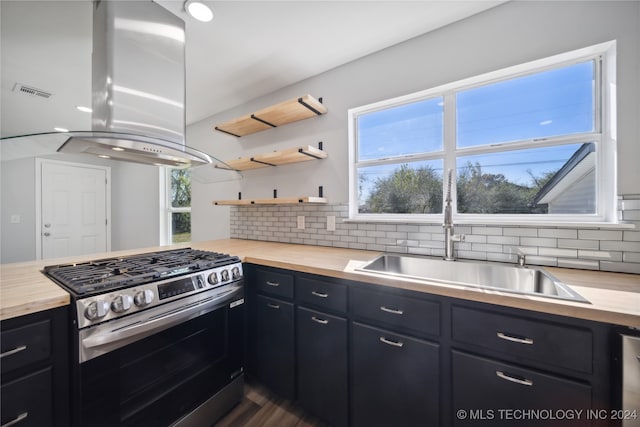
(499, 222)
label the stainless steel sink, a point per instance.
(488, 275)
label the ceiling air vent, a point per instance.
(29, 90)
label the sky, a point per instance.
(550, 103)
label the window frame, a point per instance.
(603, 136)
(166, 208)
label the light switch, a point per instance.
(15, 219)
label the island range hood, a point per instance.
(138, 87)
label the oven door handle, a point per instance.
(158, 322)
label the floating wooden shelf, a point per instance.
(275, 158)
(276, 115)
(277, 201)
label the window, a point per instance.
(529, 143)
(179, 205)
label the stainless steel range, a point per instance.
(158, 337)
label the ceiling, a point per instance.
(251, 48)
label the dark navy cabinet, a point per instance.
(358, 354)
(35, 369)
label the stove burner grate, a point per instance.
(120, 272)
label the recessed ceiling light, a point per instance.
(104, 156)
(84, 109)
(61, 129)
(198, 10)
(117, 148)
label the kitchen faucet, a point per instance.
(449, 237)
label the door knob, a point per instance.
(47, 234)
(47, 225)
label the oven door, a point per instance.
(154, 376)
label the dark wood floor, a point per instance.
(261, 408)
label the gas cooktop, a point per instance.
(121, 272)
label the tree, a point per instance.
(420, 190)
(181, 198)
(486, 193)
(407, 190)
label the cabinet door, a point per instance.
(322, 365)
(275, 363)
(395, 379)
(495, 393)
(27, 401)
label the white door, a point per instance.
(74, 209)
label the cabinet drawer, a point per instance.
(25, 345)
(29, 399)
(271, 282)
(331, 296)
(492, 388)
(411, 314)
(525, 339)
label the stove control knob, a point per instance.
(224, 275)
(213, 278)
(235, 273)
(96, 310)
(143, 298)
(121, 303)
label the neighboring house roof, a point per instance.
(582, 162)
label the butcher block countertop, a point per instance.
(614, 297)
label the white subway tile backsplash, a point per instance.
(620, 267)
(631, 236)
(559, 253)
(503, 240)
(483, 247)
(409, 228)
(578, 244)
(578, 263)
(600, 234)
(539, 241)
(475, 238)
(493, 231)
(520, 231)
(631, 216)
(620, 246)
(592, 248)
(600, 255)
(631, 257)
(559, 233)
(499, 257)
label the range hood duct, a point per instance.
(138, 87)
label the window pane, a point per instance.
(549, 103)
(414, 188)
(407, 129)
(554, 180)
(180, 227)
(180, 188)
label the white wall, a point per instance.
(134, 205)
(135, 211)
(510, 34)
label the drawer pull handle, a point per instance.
(14, 351)
(274, 306)
(319, 294)
(318, 320)
(16, 420)
(504, 376)
(391, 342)
(274, 284)
(391, 310)
(515, 339)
